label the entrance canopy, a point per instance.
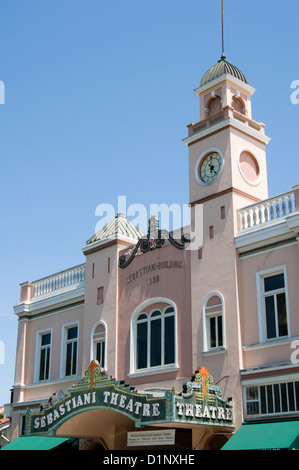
(41, 443)
(268, 435)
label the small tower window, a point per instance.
(99, 344)
(238, 105)
(215, 106)
(214, 322)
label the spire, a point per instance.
(223, 56)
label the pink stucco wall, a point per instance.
(173, 284)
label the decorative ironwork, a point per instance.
(154, 239)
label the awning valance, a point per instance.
(268, 435)
(41, 443)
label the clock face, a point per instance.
(210, 167)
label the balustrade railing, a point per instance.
(62, 280)
(267, 211)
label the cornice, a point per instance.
(225, 123)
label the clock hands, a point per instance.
(210, 168)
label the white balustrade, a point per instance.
(267, 211)
(71, 277)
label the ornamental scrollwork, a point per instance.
(150, 242)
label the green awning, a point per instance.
(41, 443)
(265, 436)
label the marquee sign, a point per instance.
(202, 403)
(199, 403)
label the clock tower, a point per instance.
(227, 171)
(226, 147)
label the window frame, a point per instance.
(39, 347)
(261, 295)
(271, 382)
(65, 341)
(207, 348)
(149, 370)
(100, 295)
(94, 343)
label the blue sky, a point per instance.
(97, 98)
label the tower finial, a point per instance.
(223, 56)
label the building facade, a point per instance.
(181, 339)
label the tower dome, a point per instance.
(222, 67)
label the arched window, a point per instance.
(215, 106)
(213, 322)
(238, 104)
(153, 344)
(99, 344)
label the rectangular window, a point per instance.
(71, 351)
(274, 295)
(274, 399)
(44, 357)
(100, 353)
(100, 296)
(215, 326)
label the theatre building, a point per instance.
(171, 341)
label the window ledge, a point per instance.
(270, 343)
(212, 352)
(153, 371)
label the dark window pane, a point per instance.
(142, 346)
(100, 353)
(220, 339)
(169, 310)
(142, 316)
(291, 396)
(42, 364)
(284, 402)
(103, 354)
(253, 408)
(156, 350)
(277, 398)
(251, 393)
(270, 398)
(274, 282)
(270, 317)
(282, 314)
(169, 340)
(263, 400)
(72, 332)
(212, 332)
(157, 313)
(46, 339)
(68, 365)
(74, 361)
(46, 375)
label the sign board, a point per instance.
(202, 402)
(151, 438)
(199, 403)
